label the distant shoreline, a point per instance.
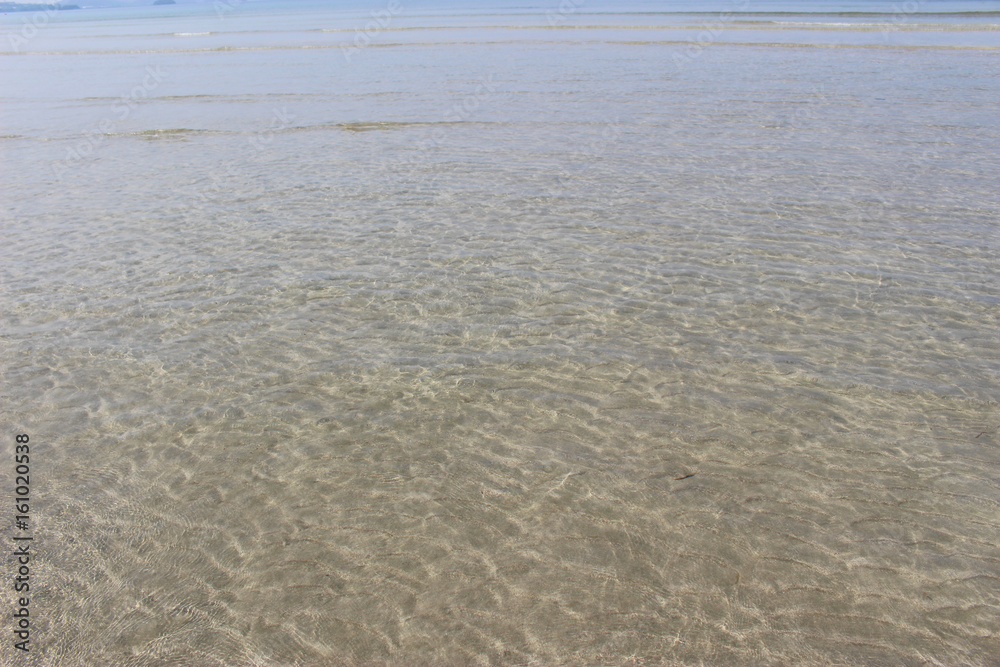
(22, 7)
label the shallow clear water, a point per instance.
(513, 336)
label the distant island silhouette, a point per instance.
(164, 2)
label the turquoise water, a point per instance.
(505, 334)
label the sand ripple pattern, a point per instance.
(445, 447)
(718, 391)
